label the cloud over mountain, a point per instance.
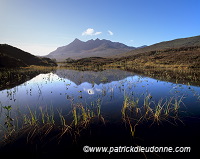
(90, 32)
(110, 32)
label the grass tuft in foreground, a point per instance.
(150, 112)
(43, 123)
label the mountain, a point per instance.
(178, 53)
(13, 57)
(92, 48)
(177, 43)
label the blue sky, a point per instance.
(40, 26)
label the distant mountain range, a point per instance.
(92, 48)
(184, 51)
(178, 53)
(105, 48)
(13, 57)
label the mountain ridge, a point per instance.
(91, 48)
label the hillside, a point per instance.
(13, 57)
(187, 57)
(92, 48)
(183, 57)
(177, 43)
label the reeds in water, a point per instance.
(150, 111)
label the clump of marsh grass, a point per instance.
(34, 125)
(40, 123)
(9, 126)
(150, 111)
(82, 115)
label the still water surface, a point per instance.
(62, 88)
(59, 90)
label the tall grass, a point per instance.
(42, 122)
(135, 111)
(8, 123)
(150, 111)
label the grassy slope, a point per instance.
(14, 57)
(187, 57)
(8, 61)
(177, 43)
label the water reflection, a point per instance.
(90, 91)
(69, 97)
(13, 78)
(106, 76)
(62, 88)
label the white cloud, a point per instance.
(110, 32)
(97, 33)
(90, 32)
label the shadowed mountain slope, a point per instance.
(13, 57)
